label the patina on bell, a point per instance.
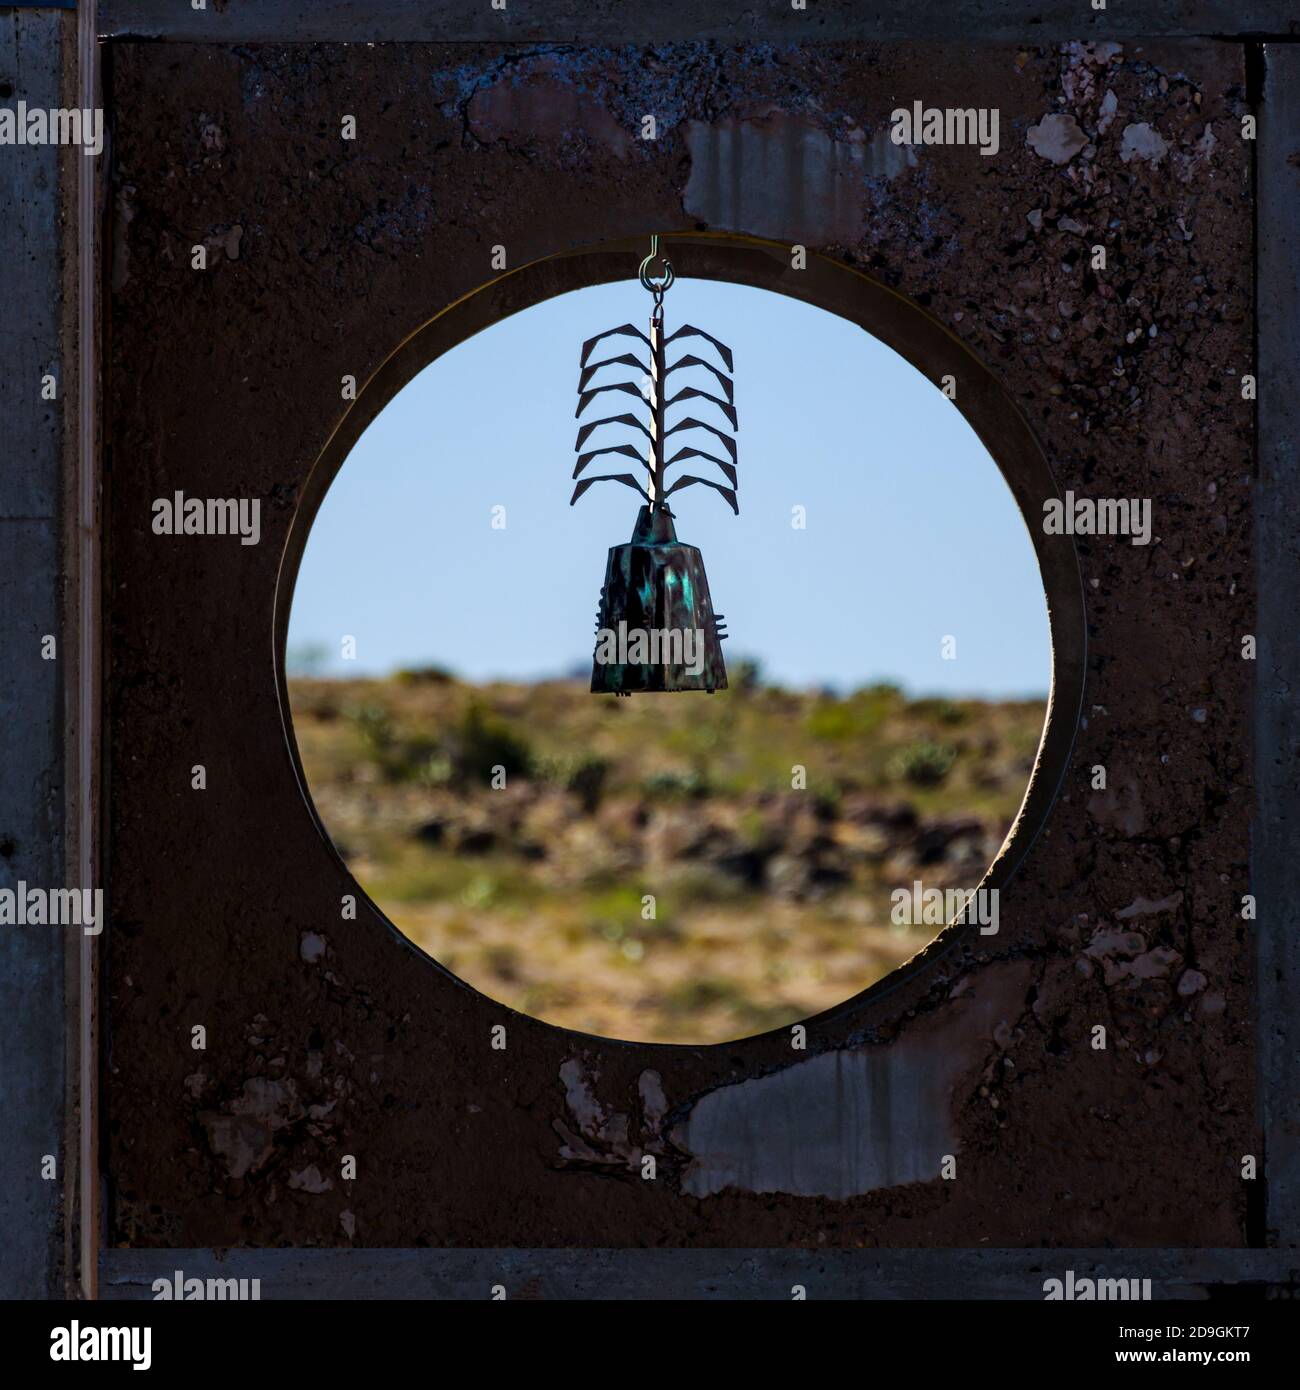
(656, 617)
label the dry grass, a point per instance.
(771, 904)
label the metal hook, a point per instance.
(660, 287)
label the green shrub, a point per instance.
(745, 675)
(424, 675)
(924, 764)
(587, 781)
(374, 724)
(482, 742)
(856, 716)
(676, 784)
(941, 710)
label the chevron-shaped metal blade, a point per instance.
(724, 381)
(691, 478)
(627, 359)
(627, 328)
(690, 392)
(586, 397)
(625, 449)
(587, 430)
(688, 330)
(691, 423)
(728, 468)
(625, 478)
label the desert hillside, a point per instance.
(770, 902)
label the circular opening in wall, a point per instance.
(677, 866)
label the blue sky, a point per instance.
(911, 535)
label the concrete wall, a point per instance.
(1127, 910)
(324, 256)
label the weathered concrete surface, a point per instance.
(825, 182)
(1275, 878)
(843, 1123)
(839, 1125)
(226, 383)
(673, 21)
(31, 689)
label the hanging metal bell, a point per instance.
(656, 629)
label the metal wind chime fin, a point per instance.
(724, 381)
(687, 479)
(728, 443)
(728, 471)
(585, 431)
(625, 478)
(655, 460)
(628, 359)
(627, 328)
(655, 585)
(585, 398)
(627, 450)
(723, 350)
(693, 392)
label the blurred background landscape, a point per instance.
(442, 624)
(771, 904)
